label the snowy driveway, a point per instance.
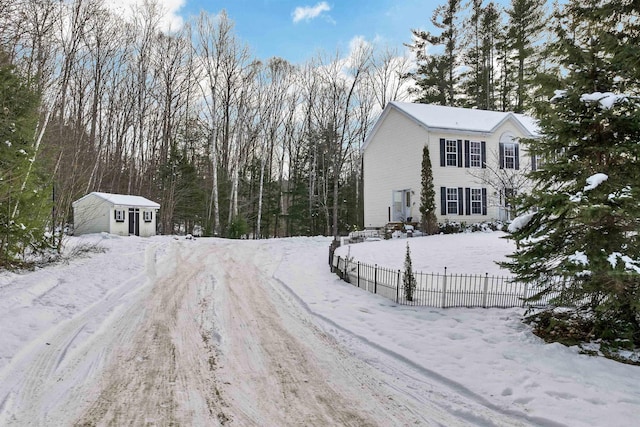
(164, 331)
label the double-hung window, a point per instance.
(452, 201)
(509, 156)
(451, 146)
(476, 201)
(475, 154)
(147, 216)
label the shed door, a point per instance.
(134, 221)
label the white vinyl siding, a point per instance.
(392, 162)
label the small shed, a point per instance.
(119, 214)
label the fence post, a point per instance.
(375, 279)
(346, 270)
(398, 288)
(486, 290)
(358, 273)
(524, 299)
(444, 288)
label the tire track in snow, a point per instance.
(50, 371)
(165, 373)
(279, 368)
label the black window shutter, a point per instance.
(115, 214)
(517, 151)
(484, 201)
(483, 152)
(501, 149)
(459, 153)
(460, 201)
(442, 153)
(467, 200)
(443, 201)
(466, 153)
(534, 163)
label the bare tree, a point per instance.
(505, 182)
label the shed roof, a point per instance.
(439, 117)
(123, 200)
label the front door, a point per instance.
(401, 206)
(134, 221)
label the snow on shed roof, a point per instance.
(124, 199)
(467, 119)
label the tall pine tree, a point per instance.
(580, 236)
(437, 76)
(524, 30)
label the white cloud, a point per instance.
(308, 13)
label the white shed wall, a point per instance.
(91, 215)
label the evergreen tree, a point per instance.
(483, 30)
(436, 75)
(524, 30)
(579, 237)
(491, 33)
(24, 197)
(428, 220)
(408, 279)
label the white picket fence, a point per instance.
(439, 290)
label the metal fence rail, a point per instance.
(439, 290)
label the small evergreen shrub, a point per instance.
(408, 280)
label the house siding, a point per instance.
(392, 161)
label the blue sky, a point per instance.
(270, 29)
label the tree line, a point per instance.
(226, 142)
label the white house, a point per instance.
(119, 214)
(469, 151)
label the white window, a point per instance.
(147, 215)
(118, 214)
(475, 154)
(451, 150)
(509, 156)
(476, 201)
(452, 201)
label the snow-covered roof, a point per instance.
(123, 200)
(439, 117)
(442, 117)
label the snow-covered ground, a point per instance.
(462, 253)
(74, 335)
